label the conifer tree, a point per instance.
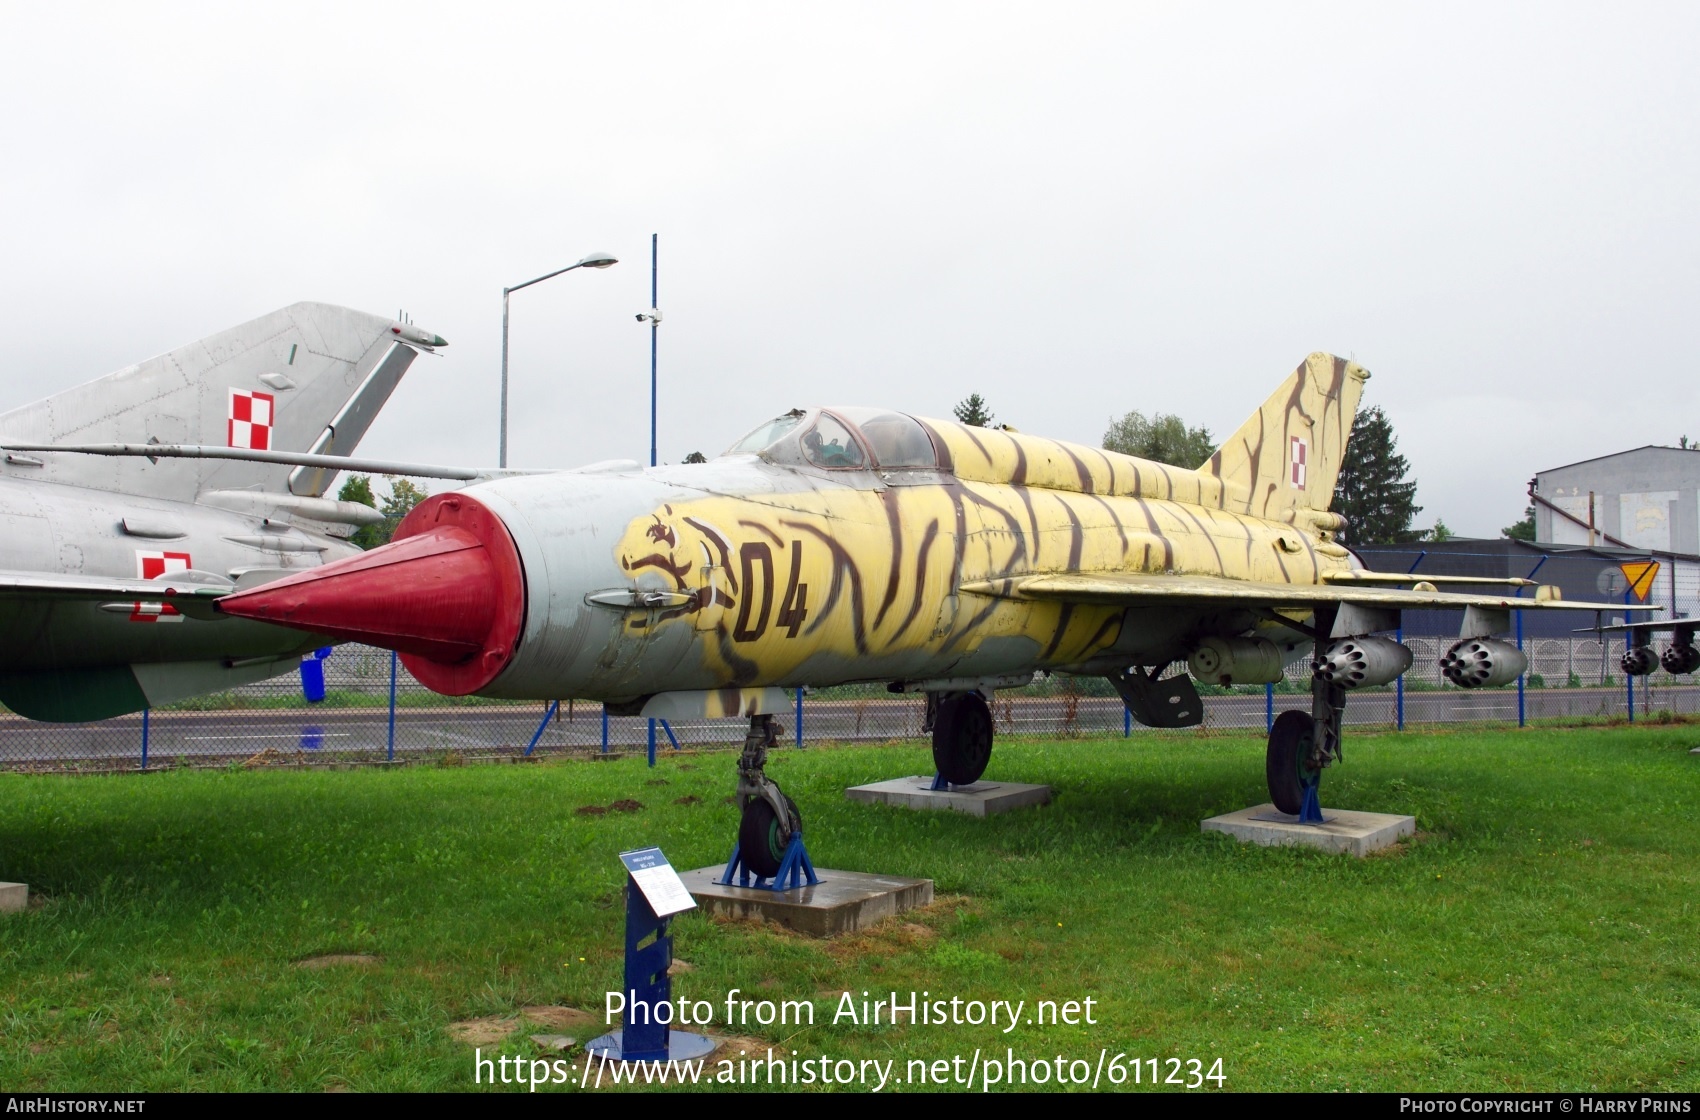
(1373, 493)
(972, 411)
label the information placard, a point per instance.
(661, 886)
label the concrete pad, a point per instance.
(981, 799)
(842, 902)
(1342, 830)
(14, 897)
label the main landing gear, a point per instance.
(1302, 745)
(770, 829)
(961, 723)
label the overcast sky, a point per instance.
(1074, 210)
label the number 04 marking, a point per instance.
(755, 561)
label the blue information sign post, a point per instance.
(654, 893)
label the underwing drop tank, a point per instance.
(1364, 662)
(1483, 663)
(1226, 661)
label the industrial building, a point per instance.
(1647, 498)
(1591, 519)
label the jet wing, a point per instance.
(1159, 589)
(183, 590)
(249, 455)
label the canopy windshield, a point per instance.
(896, 440)
(765, 435)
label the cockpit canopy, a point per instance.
(842, 439)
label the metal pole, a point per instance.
(553, 707)
(1127, 722)
(1628, 637)
(652, 744)
(1399, 636)
(502, 450)
(654, 334)
(144, 738)
(604, 729)
(394, 658)
(799, 718)
(1269, 707)
(1522, 710)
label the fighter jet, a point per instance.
(836, 545)
(87, 545)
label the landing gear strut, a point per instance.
(962, 736)
(770, 829)
(1302, 745)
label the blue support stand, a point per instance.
(671, 738)
(604, 729)
(1311, 811)
(144, 738)
(644, 1034)
(548, 713)
(390, 754)
(793, 869)
(652, 744)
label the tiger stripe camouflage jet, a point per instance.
(841, 545)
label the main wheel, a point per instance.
(762, 837)
(962, 738)
(1289, 776)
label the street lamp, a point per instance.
(592, 260)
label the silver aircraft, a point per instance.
(79, 536)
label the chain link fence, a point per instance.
(375, 712)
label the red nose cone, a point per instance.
(448, 593)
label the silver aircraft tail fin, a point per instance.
(310, 377)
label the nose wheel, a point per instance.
(770, 829)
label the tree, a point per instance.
(358, 488)
(973, 411)
(696, 457)
(1164, 438)
(1372, 493)
(1523, 530)
(1440, 532)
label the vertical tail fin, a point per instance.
(1287, 456)
(310, 377)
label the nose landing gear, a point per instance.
(770, 829)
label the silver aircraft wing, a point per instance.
(286, 458)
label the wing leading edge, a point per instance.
(1158, 589)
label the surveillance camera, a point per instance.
(641, 317)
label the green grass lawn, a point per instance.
(1539, 933)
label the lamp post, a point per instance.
(593, 260)
(653, 318)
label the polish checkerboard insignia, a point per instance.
(152, 565)
(1300, 453)
(250, 421)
